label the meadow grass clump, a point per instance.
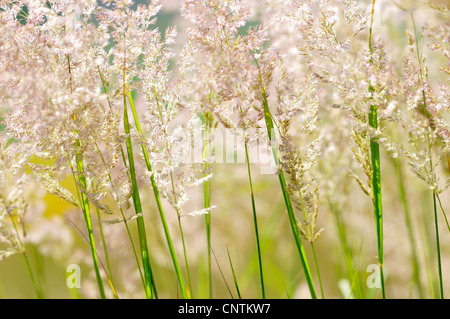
(223, 149)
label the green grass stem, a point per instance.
(255, 223)
(436, 222)
(234, 275)
(207, 203)
(148, 274)
(438, 247)
(160, 208)
(376, 171)
(84, 204)
(125, 221)
(105, 247)
(287, 200)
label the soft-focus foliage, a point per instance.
(197, 90)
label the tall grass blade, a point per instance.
(105, 248)
(221, 273)
(148, 274)
(424, 99)
(84, 204)
(207, 201)
(160, 208)
(443, 212)
(376, 171)
(438, 247)
(317, 270)
(255, 223)
(287, 200)
(234, 275)
(376, 186)
(116, 296)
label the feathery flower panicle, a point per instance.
(423, 119)
(297, 120)
(142, 59)
(233, 68)
(69, 120)
(332, 49)
(217, 66)
(326, 42)
(439, 39)
(165, 129)
(222, 76)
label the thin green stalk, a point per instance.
(255, 222)
(133, 247)
(376, 171)
(82, 197)
(105, 248)
(408, 222)
(443, 212)
(428, 245)
(148, 274)
(438, 247)
(160, 208)
(317, 269)
(180, 228)
(121, 211)
(286, 290)
(436, 223)
(221, 273)
(98, 257)
(188, 274)
(287, 200)
(207, 202)
(84, 201)
(88, 220)
(376, 187)
(234, 275)
(206, 191)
